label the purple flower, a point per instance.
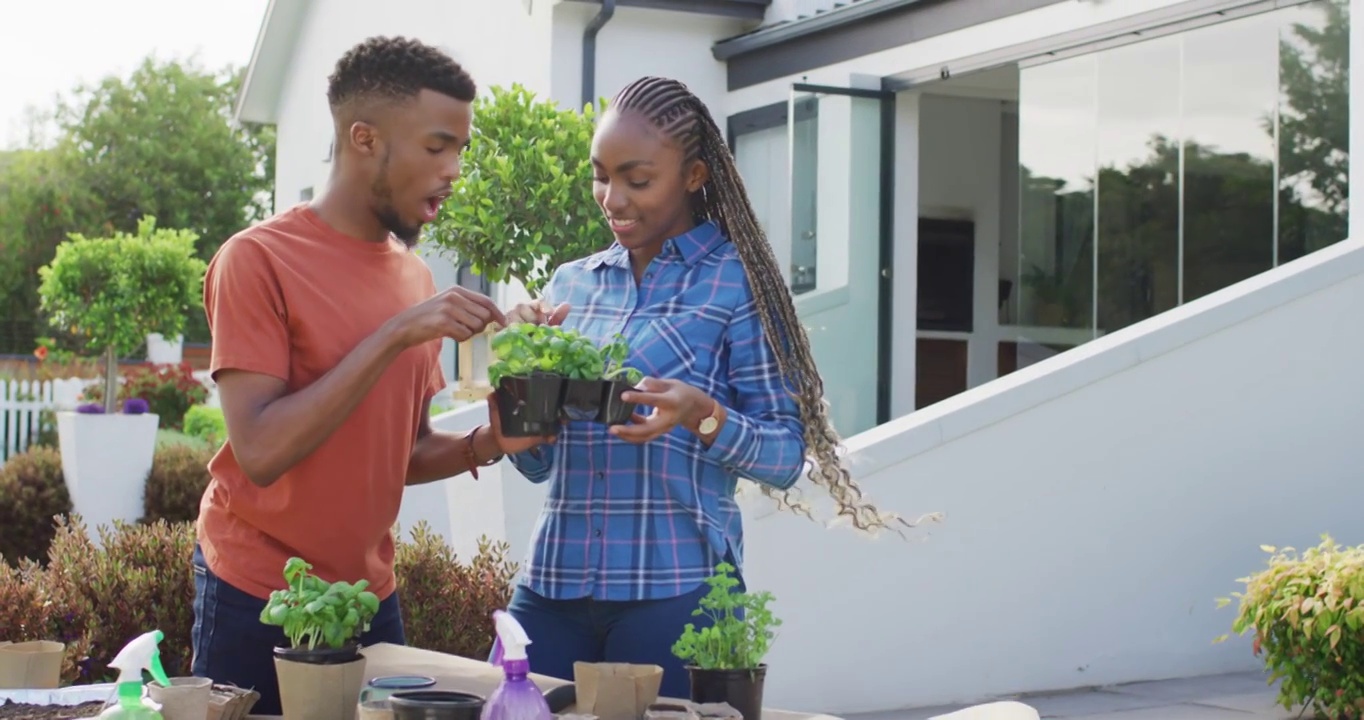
(134, 406)
(90, 408)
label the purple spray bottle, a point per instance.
(517, 698)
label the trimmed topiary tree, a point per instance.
(523, 205)
(114, 291)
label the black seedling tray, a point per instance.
(535, 405)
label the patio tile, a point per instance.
(1197, 688)
(1171, 712)
(1084, 703)
(1264, 704)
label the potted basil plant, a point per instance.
(320, 669)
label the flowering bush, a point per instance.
(168, 390)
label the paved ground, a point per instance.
(1221, 697)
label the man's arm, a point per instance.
(271, 431)
(439, 455)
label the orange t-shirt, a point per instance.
(290, 298)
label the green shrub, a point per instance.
(176, 483)
(448, 605)
(1307, 613)
(96, 596)
(30, 610)
(32, 492)
(207, 424)
(136, 578)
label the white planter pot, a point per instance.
(106, 459)
(161, 350)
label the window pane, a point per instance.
(1314, 126)
(1056, 184)
(1230, 89)
(1138, 152)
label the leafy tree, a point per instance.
(523, 205)
(113, 291)
(158, 142)
(162, 142)
(41, 200)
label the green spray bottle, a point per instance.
(143, 653)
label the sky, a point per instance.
(47, 49)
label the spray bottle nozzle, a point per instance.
(511, 639)
(143, 653)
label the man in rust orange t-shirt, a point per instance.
(326, 338)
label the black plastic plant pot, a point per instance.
(742, 689)
(320, 655)
(529, 406)
(435, 705)
(615, 411)
(583, 399)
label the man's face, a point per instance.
(418, 157)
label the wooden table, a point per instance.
(452, 672)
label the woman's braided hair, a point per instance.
(680, 115)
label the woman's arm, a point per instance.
(760, 435)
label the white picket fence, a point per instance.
(23, 401)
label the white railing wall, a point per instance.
(1096, 505)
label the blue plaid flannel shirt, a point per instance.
(638, 522)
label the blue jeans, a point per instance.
(585, 630)
(231, 645)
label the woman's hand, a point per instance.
(674, 403)
(511, 446)
(538, 312)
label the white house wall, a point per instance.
(499, 42)
(638, 42)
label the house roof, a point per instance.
(258, 100)
(843, 13)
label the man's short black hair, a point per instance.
(396, 68)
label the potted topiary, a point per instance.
(520, 208)
(545, 373)
(725, 660)
(1307, 613)
(113, 292)
(321, 669)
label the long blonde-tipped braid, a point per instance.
(680, 115)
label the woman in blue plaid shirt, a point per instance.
(638, 515)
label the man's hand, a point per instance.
(510, 446)
(538, 312)
(674, 403)
(457, 313)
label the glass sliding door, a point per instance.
(837, 249)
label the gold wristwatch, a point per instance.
(711, 422)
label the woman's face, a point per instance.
(642, 181)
